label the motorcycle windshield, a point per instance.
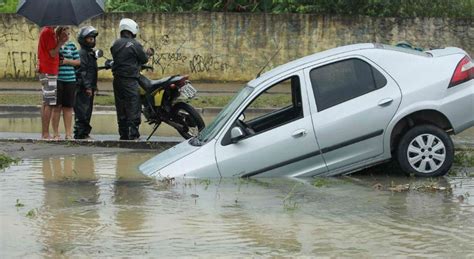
(221, 119)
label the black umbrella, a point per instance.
(60, 12)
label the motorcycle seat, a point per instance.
(152, 85)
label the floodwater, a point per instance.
(99, 205)
(101, 122)
(106, 123)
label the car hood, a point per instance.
(153, 165)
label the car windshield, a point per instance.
(213, 129)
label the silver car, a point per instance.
(343, 110)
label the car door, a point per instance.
(277, 142)
(355, 101)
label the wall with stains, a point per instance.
(233, 46)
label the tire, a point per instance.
(185, 115)
(425, 151)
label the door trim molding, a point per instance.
(315, 153)
(352, 141)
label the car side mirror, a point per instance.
(236, 134)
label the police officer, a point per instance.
(128, 55)
(86, 76)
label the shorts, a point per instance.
(49, 88)
(66, 94)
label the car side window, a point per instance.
(276, 106)
(344, 80)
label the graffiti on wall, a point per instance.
(224, 47)
(20, 64)
(199, 64)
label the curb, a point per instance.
(155, 145)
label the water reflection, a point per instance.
(129, 194)
(68, 216)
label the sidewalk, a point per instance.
(156, 143)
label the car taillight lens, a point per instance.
(464, 72)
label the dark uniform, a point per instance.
(86, 79)
(128, 55)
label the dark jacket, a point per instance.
(128, 55)
(87, 72)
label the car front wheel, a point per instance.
(425, 150)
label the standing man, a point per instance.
(128, 55)
(86, 76)
(48, 66)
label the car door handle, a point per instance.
(299, 133)
(385, 102)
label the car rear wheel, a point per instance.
(425, 150)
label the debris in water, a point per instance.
(399, 188)
(377, 186)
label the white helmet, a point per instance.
(128, 25)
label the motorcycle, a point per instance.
(161, 102)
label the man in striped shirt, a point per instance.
(69, 59)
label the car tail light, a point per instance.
(464, 72)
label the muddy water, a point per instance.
(106, 123)
(99, 205)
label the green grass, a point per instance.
(463, 158)
(6, 161)
(270, 101)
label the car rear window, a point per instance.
(344, 80)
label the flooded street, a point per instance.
(106, 123)
(100, 205)
(101, 122)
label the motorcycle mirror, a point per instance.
(108, 63)
(150, 51)
(99, 53)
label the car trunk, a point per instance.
(446, 51)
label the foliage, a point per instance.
(8, 6)
(376, 8)
(5, 161)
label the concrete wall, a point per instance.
(232, 46)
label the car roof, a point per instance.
(307, 59)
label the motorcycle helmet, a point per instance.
(84, 32)
(130, 25)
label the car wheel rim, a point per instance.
(426, 153)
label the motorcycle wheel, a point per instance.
(189, 118)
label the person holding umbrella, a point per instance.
(48, 14)
(48, 67)
(128, 56)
